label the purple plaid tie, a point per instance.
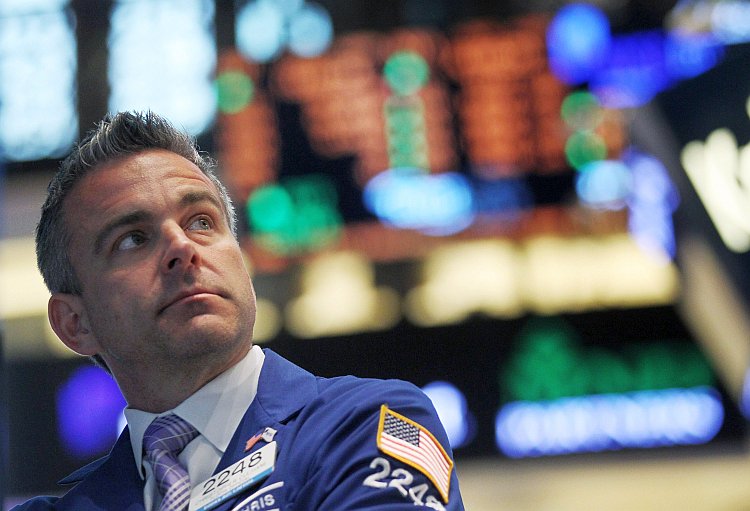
(163, 441)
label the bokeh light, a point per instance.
(552, 362)
(688, 55)
(406, 132)
(730, 21)
(578, 41)
(89, 407)
(310, 31)
(260, 31)
(234, 91)
(270, 208)
(581, 110)
(604, 184)
(450, 404)
(653, 198)
(406, 72)
(644, 419)
(264, 29)
(299, 215)
(339, 296)
(407, 198)
(584, 147)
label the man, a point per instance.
(137, 244)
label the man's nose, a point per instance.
(180, 251)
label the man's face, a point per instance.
(164, 286)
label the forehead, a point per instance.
(154, 165)
(141, 177)
(142, 182)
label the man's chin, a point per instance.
(208, 332)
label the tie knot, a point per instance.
(168, 433)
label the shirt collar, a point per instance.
(215, 410)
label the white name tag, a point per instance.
(233, 479)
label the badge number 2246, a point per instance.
(403, 481)
(233, 479)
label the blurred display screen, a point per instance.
(476, 101)
(38, 86)
(323, 119)
(162, 55)
(414, 129)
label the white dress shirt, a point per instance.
(215, 411)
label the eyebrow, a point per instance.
(138, 216)
(191, 198)
(126, 219)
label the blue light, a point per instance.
(635, 71)
(652, 201)
(745, 397)
(651, 182)
(653, 230)
(450, 404)
(26, 7)
(310, 31)
(288, 7)
(688, 55)
(408, 198)
(260, 30)
(642, 64)
(89, 407)
(604, 184)
(578, 42)
(643, 419)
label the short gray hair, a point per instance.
(116, 136)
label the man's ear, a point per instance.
(69, 319)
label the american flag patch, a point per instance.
(252, 441)
(412, 444)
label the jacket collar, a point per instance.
(111, 482)
(283, 390)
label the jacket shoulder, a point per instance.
(37, 504)
(369, 391)
(351, 465)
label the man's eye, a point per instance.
(200, 224)
(130, 241)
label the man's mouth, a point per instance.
(185, 296)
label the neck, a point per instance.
(164, 388)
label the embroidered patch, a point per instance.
(411, 443)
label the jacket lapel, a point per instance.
(112, 482)
(283, 390)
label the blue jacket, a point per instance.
(328, 456)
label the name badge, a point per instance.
(233, 479)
